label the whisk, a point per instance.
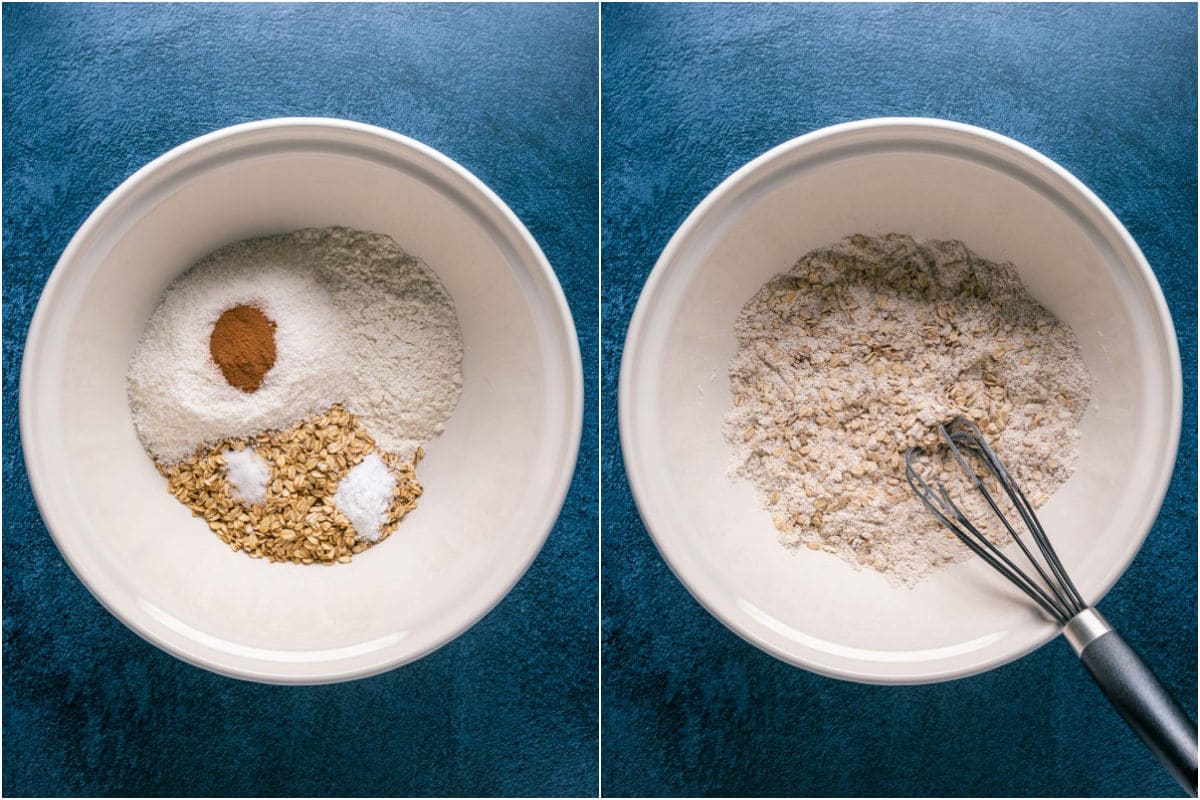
(1127, 682)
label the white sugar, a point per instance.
(249, 474)
(363, 496)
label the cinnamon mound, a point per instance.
(243, 346)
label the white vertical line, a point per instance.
(600, 402)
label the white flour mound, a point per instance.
(358, 321)
(406, 349)
(858, 353)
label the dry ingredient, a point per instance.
(298, 519)
(248, 474)
(859, 352)
(364, 495)
(358, 321)
(179, 397)
(286, 386)
(405, 342)
(242, 345)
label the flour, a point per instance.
(406, 348)
(858, 353)
(358, 321)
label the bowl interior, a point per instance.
(812, 608)
(494, 481)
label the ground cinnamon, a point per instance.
(243, 345)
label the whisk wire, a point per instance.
(1058, 597)
(944, 509)
(962, 433)
(1012, 532)
(962, 430)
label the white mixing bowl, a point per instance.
(937, 180)
(494, 481)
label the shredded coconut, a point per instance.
(858, 353)
(359, 322)
(248, 473)
(178, 395)
(363, 496)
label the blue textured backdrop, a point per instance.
(693, 92)
(91, 94)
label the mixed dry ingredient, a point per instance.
(285, 387)
(859, 352)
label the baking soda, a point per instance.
(363, 497)
(248, 474)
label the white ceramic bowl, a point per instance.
(932, 179)
(494, 481)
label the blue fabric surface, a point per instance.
(93, 93)
(690, 93)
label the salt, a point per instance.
(363, 497)
(248, 473)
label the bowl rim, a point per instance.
(136, 619)
(657, 521)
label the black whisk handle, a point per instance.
(1137, 694)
